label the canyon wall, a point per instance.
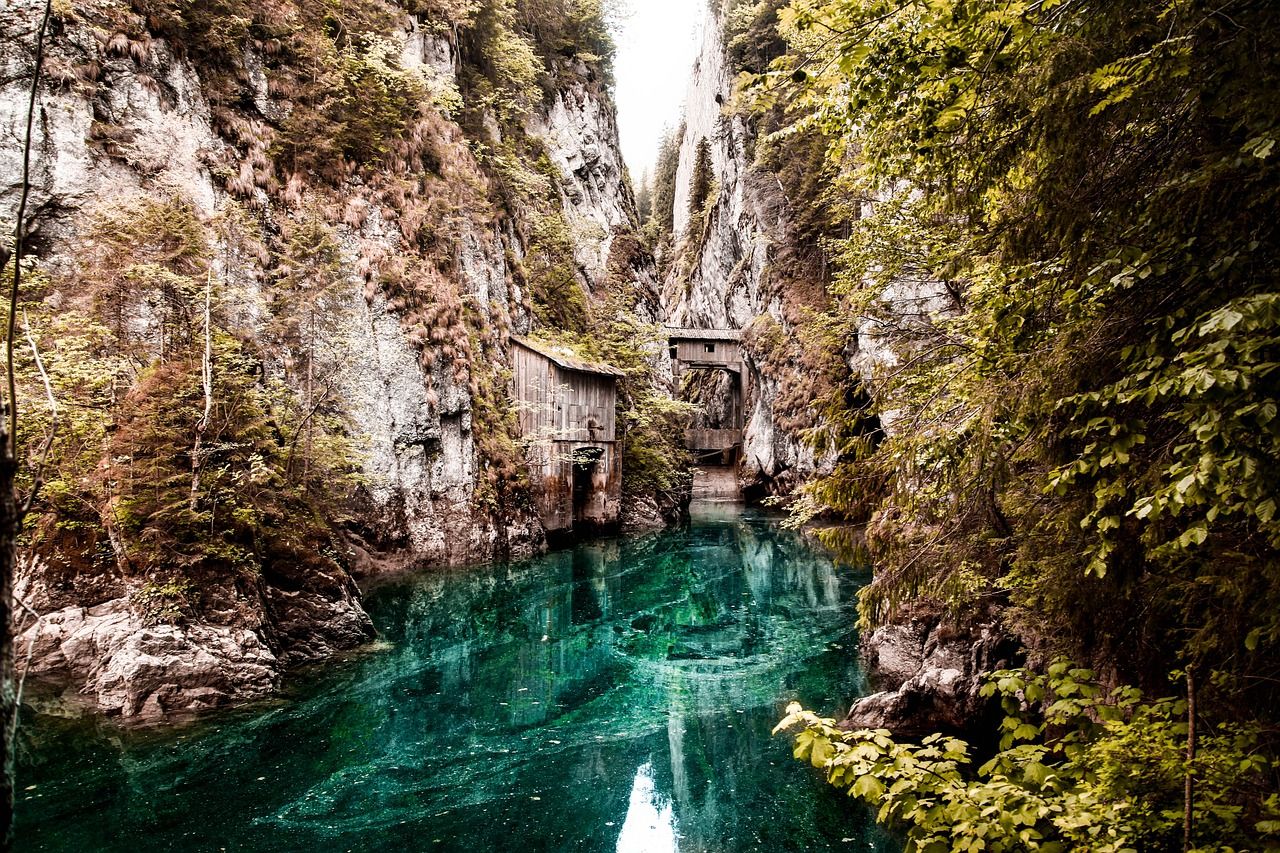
(734, 267)
(412, 257)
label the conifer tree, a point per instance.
(644, 197)
(700, 184)
(664, 181)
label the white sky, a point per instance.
(658, 41)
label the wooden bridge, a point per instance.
(711, 349)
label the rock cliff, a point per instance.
(931, 671)
(738, 263)
(391, 211)
(750, 255)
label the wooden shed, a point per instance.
(711, 349)
(568, 415)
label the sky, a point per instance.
(658, 41)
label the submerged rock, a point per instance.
(649, 513)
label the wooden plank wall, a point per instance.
(728, 353)
(555, 407)
(559, 404)
(592, 399)
(536, 393)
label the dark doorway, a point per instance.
(584, 467)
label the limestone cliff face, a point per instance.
(725, 273)
(120, 120)
(580, 132)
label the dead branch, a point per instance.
(37, 479)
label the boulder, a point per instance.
(130, 669)
(932, 670)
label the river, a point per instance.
(616, 696)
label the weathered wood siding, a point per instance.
(561, 405)
(694, 353)
(560, 412)
(536, 392)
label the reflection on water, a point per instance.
(650, 826)
(613, 697)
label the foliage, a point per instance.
(348, 98)
(1055, 250)
(240, 510)
(664, 181)
(644, 197)
(552, 273)
(1062, 230)
(138, 481)
(577, 30)
(504, 482)
(1077, 769)
(165, 602)
(510, 70)
(751, 33)
(702, 178)
(524, 53)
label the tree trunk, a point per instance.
(1189, 795)
(311, 394)
(206, 381)
(8, 467)
(8, 683)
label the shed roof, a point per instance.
(704, 334)
(565, 359)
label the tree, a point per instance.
(1078, 768)
(1090, 413)
(10, 516)
(644, 197)
(310, 268)
(1061, 222)
(701, 180)
(664, 180)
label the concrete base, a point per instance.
(716, 483)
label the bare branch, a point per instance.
(22, 678)
(47, 446)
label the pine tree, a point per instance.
(644, 197)
(700, 184)
(664, 180)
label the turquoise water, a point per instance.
(617, 696)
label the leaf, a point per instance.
(868, 788)
(1036, 773)
(1193, 536)
(822, 752)
(1266, 510)
(1259, 146)
(1026, 731)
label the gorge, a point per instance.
(365, 402)
(617, 695)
